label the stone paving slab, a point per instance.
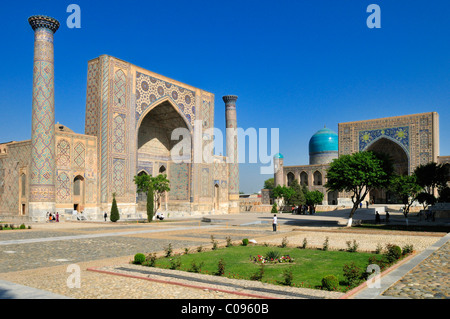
(42, 264)
(248, 288)
(430, 279)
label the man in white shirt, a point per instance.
(274, 223)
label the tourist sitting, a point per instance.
(160, 216)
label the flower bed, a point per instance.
(264, 260)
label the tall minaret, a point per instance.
(42, 168)
(278, 160)
(232, 153)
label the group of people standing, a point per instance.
(52, 217)
(304, 209)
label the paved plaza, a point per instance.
(34, 263)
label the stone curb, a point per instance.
(182, 284)
(383, 274)
(408, 263)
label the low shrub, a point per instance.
(379, 249)
(284, 242)
(288, 277)
(259, 274)
(196, 267)
(352, 274)
(22, 226)
(305, 243)
(229, 242)
(393, 253)
(381, 261)
(351, 248)
(150, 260)
(168, 250)
(175, 263)
(407, 249)
(245, 242)
(214, 243)
(325, 244)
(139, 259)
(220, 268)
(330, 283)
(273, 255)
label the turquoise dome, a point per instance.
(324, 141)
(278, 155)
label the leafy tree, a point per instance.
(358, 174)
(114, 215)
(154, 187)
(269, 183)
(297, 198)
(426, 199)
(274, 209)
(314, 198)
(407, 189)
(283, 192)
(150, 203)
(444, 195)
(432, 176)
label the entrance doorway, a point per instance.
(400, 161)
(78, 193)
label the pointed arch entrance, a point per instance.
(78, 193)
(400, 159)
(155, 148)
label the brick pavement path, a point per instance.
(39, 257)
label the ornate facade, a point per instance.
(131, 114)
(410, 140)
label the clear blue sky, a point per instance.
(296, 65)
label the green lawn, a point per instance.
(308, 269)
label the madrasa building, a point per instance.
(410, 140)
(130, 115)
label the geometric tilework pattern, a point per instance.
(79, 154)
(398, 134)
(118, 135)
(63, 153)
(120, 89)
(63, 188)
(43, 119)
(118, 177)
(149, 90)
(179, 181)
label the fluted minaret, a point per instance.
(42, 168)
(232, 153)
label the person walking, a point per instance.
(274, 222)
(57, 217)
(105, 215)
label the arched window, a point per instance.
(77, 185)
(290, 178)
(23, 182)
(317, 178)
(303, 179)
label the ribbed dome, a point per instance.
(325, 140)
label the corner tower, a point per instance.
(42, 179)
